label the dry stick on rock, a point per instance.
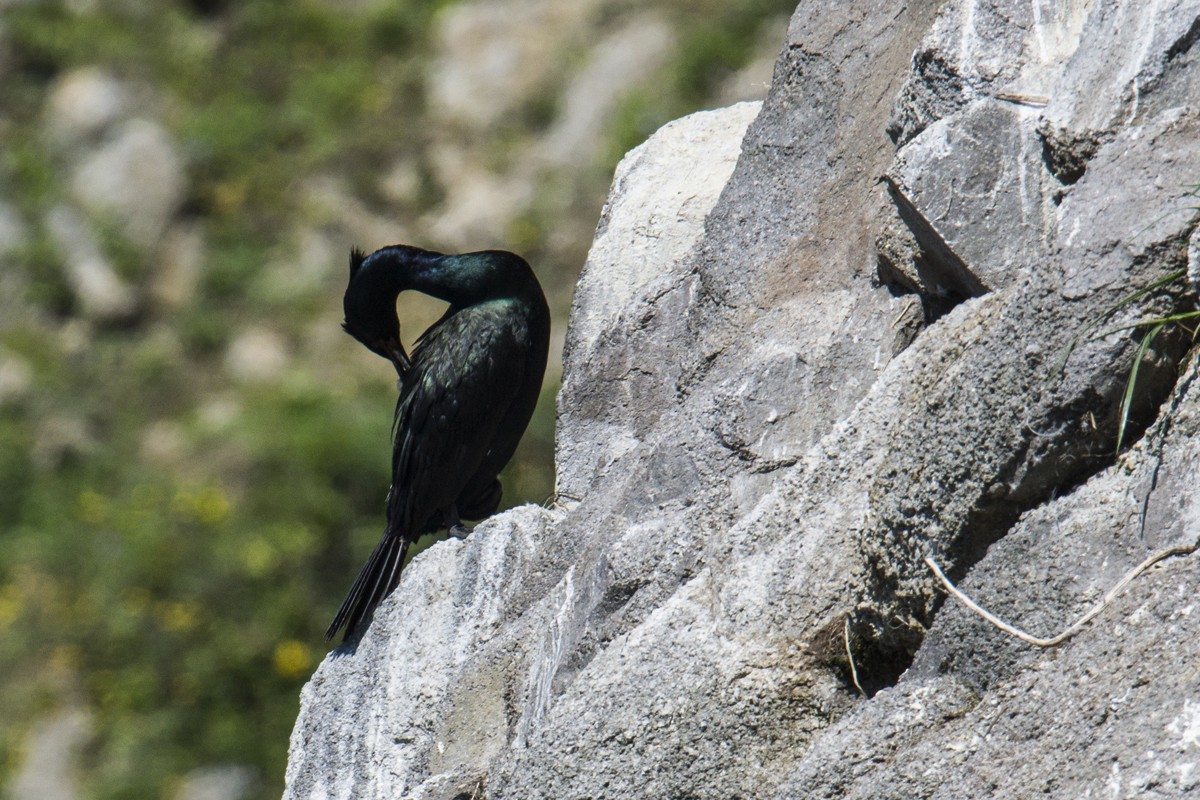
(1179, 550)
(850, 656)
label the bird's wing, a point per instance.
(466, 373)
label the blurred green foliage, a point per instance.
(172, 545)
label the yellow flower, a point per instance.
(12, 603)
(292, 659)
(207, 506)
(211, 506)
(178, 617)
(91, 507)
(229, 196)
(259, 556)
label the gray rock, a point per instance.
(480, 203)
(972, 220)
(621, 62)
(653, 220)
(83, 103)
(454, 713)
(762, 443)
(330, 202)
(256, 355)
(16, 377)
(52, 751)
(177, 269)
(1155, 69)
(494, 55)
(135, 178)
(218, 782)
(1193, 261)
(967, 718)
(13, 231)
(100, 293)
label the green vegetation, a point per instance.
(174, 541)
(1151, 328)
(1187, 322)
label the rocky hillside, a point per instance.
(883, 318)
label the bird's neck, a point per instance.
(460, 280)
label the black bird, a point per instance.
(466, 395)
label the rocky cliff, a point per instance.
(879, 319)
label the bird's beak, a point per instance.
(399, 358)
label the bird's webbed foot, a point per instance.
(452, 521)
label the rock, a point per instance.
(624, 60)
(12, 229)
(1126, 710)
(177, 268)
(480, 204)
(308, 267)
(494, 55)
(99, 292)
(467, 592)
(649, 226)
(330, 202)
(1154, 73)
(163, 443)
(135, 178)
(1193, 260)
(52, 752)
(83, 103)
(16, 378)
(754, 469)
(256, 355)
(403, 182)
(947, 190)
(219, 782)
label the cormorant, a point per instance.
(466, 395)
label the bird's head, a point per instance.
(370, 308)
(460, 280)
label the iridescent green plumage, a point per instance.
(466, 396)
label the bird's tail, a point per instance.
(376, 581)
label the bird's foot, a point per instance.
(459, 531)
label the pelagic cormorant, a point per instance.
(466, 394)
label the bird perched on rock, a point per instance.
(466, 394)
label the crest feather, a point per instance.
(357, 257)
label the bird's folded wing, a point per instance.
(465, 376)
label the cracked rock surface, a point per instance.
(814, 343)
